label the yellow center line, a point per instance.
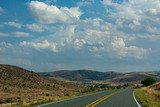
(102, 100)
(96, 101)
(93, 104)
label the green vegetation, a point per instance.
(148, 81)
(89, 90)
(148, 99)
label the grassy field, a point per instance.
(148, 96)
(38, 102)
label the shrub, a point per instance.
(148, 81)
(66, 94)
(47, 94)
(2, 101)
(8, 100)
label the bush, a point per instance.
(8, 100)
(148, 81)
(66, 94)
(2, 101)
(47, 94)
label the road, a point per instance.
(109, 98)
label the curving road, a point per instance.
(109, 98)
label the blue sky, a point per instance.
(103, 35)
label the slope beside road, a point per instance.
(109, 98)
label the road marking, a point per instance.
(42, 105)
(95, 101)
(102, 100)
(136, 100)
(93, 104)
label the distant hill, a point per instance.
(20, 85)
(111, 76)
(135, 77)
(82, 75)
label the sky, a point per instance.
(103, 35)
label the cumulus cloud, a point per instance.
(79, 43)
(13, 24)
(91, 35)
(35, 27)
(45, 44)
(119, 46)
(20, 34)
(134, 16)
(114, 36)
(47, 14)
(95, 36)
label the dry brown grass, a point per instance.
(24, 87)
(149, 96)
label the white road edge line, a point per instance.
(136, 100)
(66, 99)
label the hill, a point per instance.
(20, 85)
(108, 77)
(135, 77)
(82, 75)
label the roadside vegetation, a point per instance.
(90, 89)
(11, 103)
(149, 96)
(83, 92)
(148, 81)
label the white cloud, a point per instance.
(134, 16)
(73, 12)
(47, 14)
(95, 36)
(119, 46)
(91, 35)
(4, 45)
(41, 45)
(35, 27)
(114, 38)
(13, 24)
(20, 34)
(79, 43)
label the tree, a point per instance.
(148, 81)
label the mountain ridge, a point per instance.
(81, 75)
(109, 76)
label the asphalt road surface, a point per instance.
(109, 98)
